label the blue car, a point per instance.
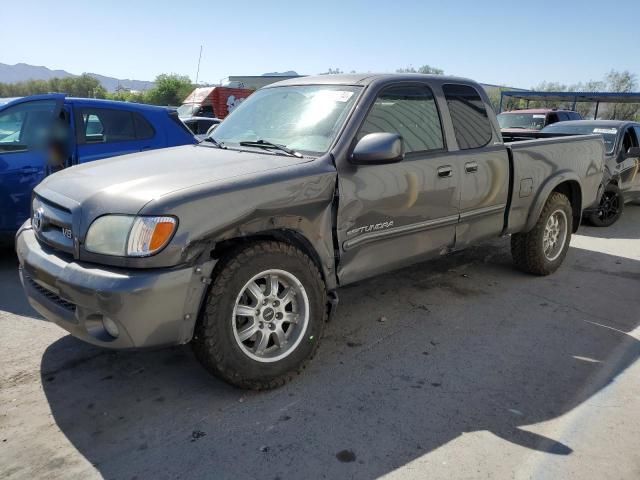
(42, 134)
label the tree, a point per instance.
(614, 81)
(509, 103)
(423, 69)
(623, 82)
(332, 71)
(169, 89)
(82, 86)
(125, 96)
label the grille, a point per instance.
(55, 229)
(51, 295)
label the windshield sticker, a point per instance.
(538, 116)
(612, 131)
(335, 95)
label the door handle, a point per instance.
(445, 171)
(471, 167)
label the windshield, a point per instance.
(303, 118)
(608, 133)
(188, 109)
(526, 121)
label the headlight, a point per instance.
(127, 235)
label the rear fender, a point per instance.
(545, 191)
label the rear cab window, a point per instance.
(409, 111)
(469, 117)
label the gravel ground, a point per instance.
(457, 368)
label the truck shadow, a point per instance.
(412, 360)
(630, 215)
(12, 298)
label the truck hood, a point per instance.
(127, 183)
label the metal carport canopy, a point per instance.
(591, 97)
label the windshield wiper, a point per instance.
(214, 141)
(266, 144)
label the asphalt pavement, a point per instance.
(459, 368)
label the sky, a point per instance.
(516, 43)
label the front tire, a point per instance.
(543, 249)
(610, 208)
(264, 316)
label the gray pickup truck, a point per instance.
(239, 244)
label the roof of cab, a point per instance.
(363, 79)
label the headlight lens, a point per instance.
(127, 235)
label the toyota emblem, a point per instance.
(38, 219)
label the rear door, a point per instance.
(484, 177)
(107, 132)
(394, 214)
(25, 146)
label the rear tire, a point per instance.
(264, 316)
(542, 249)
(610, 208)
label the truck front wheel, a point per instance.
(263, 317)
(610, 208)
(542, 249)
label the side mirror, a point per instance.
(633, 152)
(378, 149)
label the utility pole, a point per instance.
(198, 71)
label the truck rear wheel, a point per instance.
(263, 316)
(542, 250)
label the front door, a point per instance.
(628, 166)
(395, 214)
(25, 148)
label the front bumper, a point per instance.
(150, 308)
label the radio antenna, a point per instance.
(198, 71)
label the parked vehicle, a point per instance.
(200, 125)
(214, 102)
(621, 181)
(5, 100)
(239, 244)
(44, 133)
(533, 120)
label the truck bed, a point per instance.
(578, 158)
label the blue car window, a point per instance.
(25, 126)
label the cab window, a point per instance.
(409, 111)
(629, 140)
(469, 116)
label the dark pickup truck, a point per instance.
(239, 244)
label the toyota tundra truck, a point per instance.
(239, 244)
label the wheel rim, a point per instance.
(555, 235)
(609, 205)
(270, 316)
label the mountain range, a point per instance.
(21, 72)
